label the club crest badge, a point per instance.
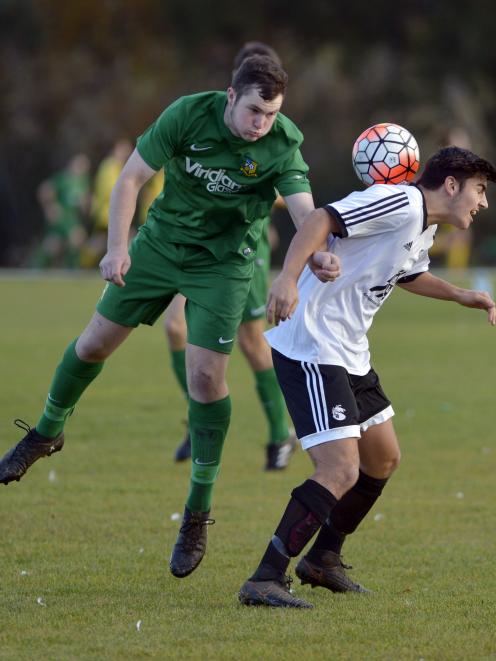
(249, 168)
(338, 412)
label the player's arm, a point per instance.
(310, 237)
(302, 205)
(135, 173)
(429, 285)
(299, 206)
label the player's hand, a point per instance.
(283, 298)
(325, 266)
(480, 300)
(114, 266)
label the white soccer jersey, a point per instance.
(384, 238)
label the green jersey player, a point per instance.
(224, 154)
(281, 441)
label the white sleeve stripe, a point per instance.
(382, 212)
(383, 200)
(359, 213)
(362, 211)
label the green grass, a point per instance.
(95, 542)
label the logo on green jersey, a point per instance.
(218, 180)
(249, 168)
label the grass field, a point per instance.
(86, 535)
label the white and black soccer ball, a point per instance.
(385, 154)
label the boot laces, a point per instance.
(196, 523)
(22, 425)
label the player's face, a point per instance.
(249, 116)
(468, 200)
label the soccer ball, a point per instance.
(385, 154)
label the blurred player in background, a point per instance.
(341, 414)
(281, 442)
(105, 179)
(64, 198)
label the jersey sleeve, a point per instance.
(372, 211)
(293, 177)
(420, 266)
(158, 144)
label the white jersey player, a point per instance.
(381, 237)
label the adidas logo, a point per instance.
(408, 246)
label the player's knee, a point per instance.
(249, 341)
(203, 383)
(386, 466)
(245, 343)
(254, 346)
(393, 462)
(175, 330)
(92, 349)
(348, 476)
(339, 480)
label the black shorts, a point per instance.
(326, 403)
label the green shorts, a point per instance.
(216, 291)
(257, 296)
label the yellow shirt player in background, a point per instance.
(453, 244)
(149, 192)
(105, 178)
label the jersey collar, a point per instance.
(424, 208)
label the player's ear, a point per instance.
(231, 96)
(451, 185)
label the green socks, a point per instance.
(273, 403)
(71, 379)
(178, 363)
(208, 424)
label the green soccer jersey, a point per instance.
(70, 190)
(219, 187)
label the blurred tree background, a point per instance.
(78, 75)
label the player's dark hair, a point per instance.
(455, 162)
(261, 72)
(255, 48)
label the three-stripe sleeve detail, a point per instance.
(374, 209)
(316, 395)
